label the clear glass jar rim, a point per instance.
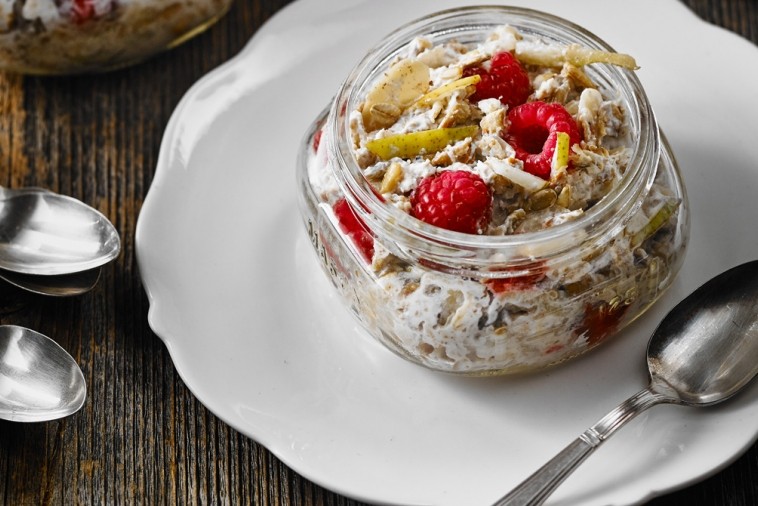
(637, 179)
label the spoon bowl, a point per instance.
(45, 233)
(55, 285)
(706, 349)
(39, 380)
(703, 352)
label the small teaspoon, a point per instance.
(39, 380)
(42, 232)
(55, 285)
(703, 352)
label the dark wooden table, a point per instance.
(141, 436)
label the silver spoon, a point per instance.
(45, 233)
(56, 285)
(703, 352)
(39, 381)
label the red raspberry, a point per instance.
(506, 80)
(600, 321)
(533, 133)
(82, 10)
(454, 200)
(317, 139)
(518, 283)
(354, 228)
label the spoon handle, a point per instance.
(538, 487)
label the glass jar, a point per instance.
(492, 304)
(52, 37)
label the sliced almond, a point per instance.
(403, 83)
(392, 177)
(564, 198)
(528, 182)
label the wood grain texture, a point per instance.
(142, 438)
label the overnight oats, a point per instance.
(70, 36)
(489, 192)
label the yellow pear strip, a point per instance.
(656, 222)
(579, 56)
(415, 143)
(560, 155)
(555, 56)
(448, 89)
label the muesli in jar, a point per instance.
(503, 139)
(70, 36)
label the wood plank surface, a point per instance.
(142, 438)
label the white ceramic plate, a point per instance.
(257, 334)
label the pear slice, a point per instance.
(448, 89)
(579, 56)
(658, 219)
(411, 144)
(403, 83)
(560, 155)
